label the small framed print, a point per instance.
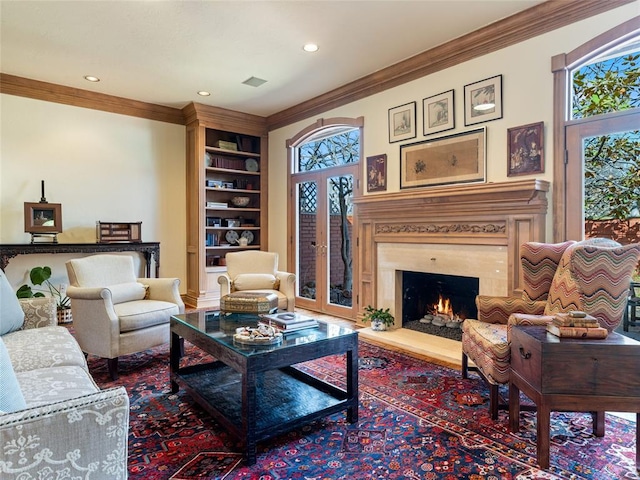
(438, 113)
(42, 217)
(402, 122)
(377, 173)
(525, 149)
(483, 101)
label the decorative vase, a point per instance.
(378, 325)
(64, 315)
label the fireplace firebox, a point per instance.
(437, 303)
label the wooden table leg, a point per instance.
(543, 434)
(174, 357)
(352, 383)
(598, 423)
(514, 408)
(249, 416)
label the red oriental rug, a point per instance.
(417, 421)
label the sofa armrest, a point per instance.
(288, 287)
(498, 309)
(71, 438)
(38, 312)
(165, 289)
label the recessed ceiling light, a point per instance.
(202, 93)
(310, 47)
(91, 78)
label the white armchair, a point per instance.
(257, 271)
(115, 313)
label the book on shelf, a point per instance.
(577, 332)
(569, 320)
(217, 205)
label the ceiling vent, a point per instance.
(254, 81)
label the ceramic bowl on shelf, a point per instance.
(240, 201)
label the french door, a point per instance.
(323, 246)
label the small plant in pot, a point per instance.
(40, 276)
(380, 319)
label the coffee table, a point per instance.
(256, 392)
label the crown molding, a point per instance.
(537, 20)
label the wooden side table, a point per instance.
(576, 375)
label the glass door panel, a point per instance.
(338, 248)
(307, 233)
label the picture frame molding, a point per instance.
(471, 117)
(536, 129)
(409, 109)
(450, 124)
(435, 146)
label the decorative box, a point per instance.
(249, 302)
(111, 232)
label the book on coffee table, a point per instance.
(289, 321)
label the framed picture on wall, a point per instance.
(483, 101)
(456, 158)
(377, 173)
(525, 149)
(42, 217)
(438, 113)
(402, 122)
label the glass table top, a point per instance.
(221, 327)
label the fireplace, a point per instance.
(466, 231)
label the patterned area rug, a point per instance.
(417, 421)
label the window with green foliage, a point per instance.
(610, 84)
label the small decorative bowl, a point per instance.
(240, 201)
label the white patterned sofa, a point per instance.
(54, 420)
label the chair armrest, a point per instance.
(288, 287)
(76, 436)
(165, 289)
(225, 284)
(498, 309)
(522, 319)
(38, 312)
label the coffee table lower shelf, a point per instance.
(286, 398)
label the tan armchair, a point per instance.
(257, 271)
(593, 276)
(115, 313)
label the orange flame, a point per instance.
(443, 307)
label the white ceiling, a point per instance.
(163, 52)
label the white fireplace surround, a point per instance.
(488, 263)
(469, 230)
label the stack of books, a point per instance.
(289, 321)
(576, 324)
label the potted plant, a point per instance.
(41, 276)
(380, 319)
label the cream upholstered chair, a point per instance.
(257, 271)
(115, 313)
(593, 276)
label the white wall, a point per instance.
(527, 98)
(99, 166)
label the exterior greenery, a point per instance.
(612, 162)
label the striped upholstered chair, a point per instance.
(592, 275)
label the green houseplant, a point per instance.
(380, 319)
(40, 276)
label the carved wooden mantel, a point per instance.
(504, 214)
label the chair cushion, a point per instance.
(100, 270)
(253, 281)
(251, 261)
(11, 398)
(539, 264)
(141, 314)
(487, 346)
(11, 314)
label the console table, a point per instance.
(150, 250)
(575, 375)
